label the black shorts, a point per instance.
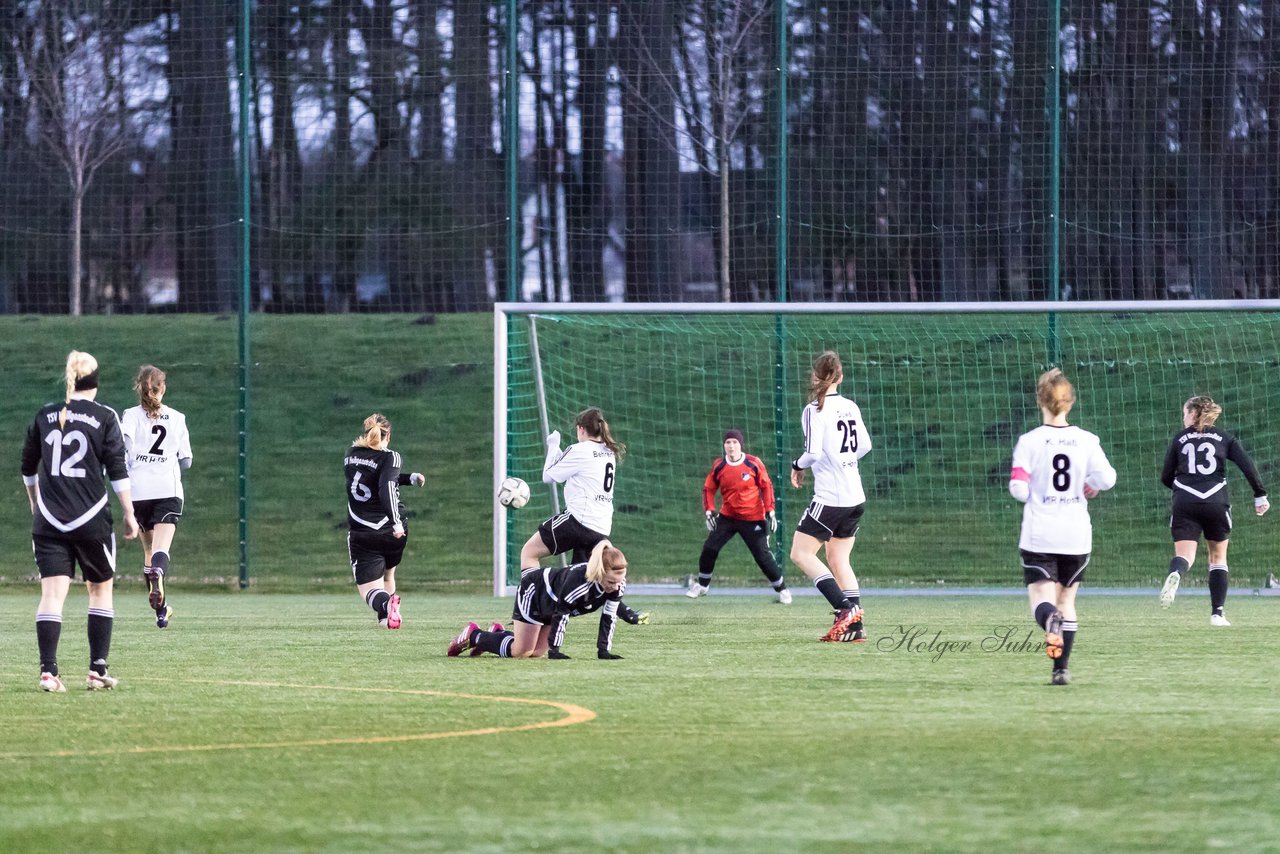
(1064, 569)
(532, 598)
(824, 522)
(1192, 518)
(59, 556)
(564, 533)
(153, 511)
(372, 555)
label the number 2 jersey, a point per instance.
(1056, 463)
(373, 490)
(1195, 465)
(66, 463)
(587, 470)
(156, 448)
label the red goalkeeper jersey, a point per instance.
(745, 487)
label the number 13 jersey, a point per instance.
(1057, 462)
(155, 446)
(1195, 465)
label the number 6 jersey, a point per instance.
(1057, 462)
(155, 447)
(66, 461)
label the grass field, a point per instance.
(289, 723)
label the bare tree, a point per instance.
(66, 58)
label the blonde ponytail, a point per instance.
(377, 433)
(80, 368)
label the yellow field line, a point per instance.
(574, 715)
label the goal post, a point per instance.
(945, 389)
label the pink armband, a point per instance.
(1020, 474)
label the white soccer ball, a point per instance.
(513, 493)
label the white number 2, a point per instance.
(67, 468)
(359, 491)
(1210, 464)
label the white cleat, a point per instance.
(784, 596)
(1218, 620)
(100, 681)
(695, 590)
(1170, 589)
(52, 684)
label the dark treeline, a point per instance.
(919, 154)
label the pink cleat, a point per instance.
(463, 641)
(393, 612)
(496, 627)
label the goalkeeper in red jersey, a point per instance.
(746, 508)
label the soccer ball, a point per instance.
(513, 493)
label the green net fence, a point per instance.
(945, 397)
(351, 185)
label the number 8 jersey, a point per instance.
(1057, 463)
(66, 461)
(155, 447)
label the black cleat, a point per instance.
(162, 617)
(1061, 677)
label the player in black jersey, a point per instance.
(545, 595)
(376, 533)
(68, 448)
(1195, 469)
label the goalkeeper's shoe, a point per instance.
(1053, 635)
(1218, 620)
(496, 627)
(162, 617)
(393, 612)
(1170, 589)
(1060, 677)
(100, 681)
(155, 588)
(784, 596)
(845, 617)
(696, 590)
(52, 684)
(463, 641)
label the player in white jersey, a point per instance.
(158, 449)
(835, 438)
(587, 470)
(1057, 468)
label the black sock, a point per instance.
(48, 630)
(100, 620)
(706, 565)
(1218, 583)
(779, 585)
(1069, 629)
(1043, 612)
(378, 600)
(1179, 565)
(853, 597)
(827, 586)
(160, 562)
(704, 578)
(494, 642)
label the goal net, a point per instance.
(945, 391)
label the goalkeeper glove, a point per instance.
(711, 520)
(773, 522)
(607, 656)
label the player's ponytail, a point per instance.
(81, 375)
(592, 421)
(1203, 411)
(149, 386)
(827, 370)
(1054, 392)
(377, 432)
(603, 557)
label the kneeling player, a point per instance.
(547, 594)
(1056, 469)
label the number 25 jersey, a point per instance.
(1057, 462)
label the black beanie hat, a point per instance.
(734, 433)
